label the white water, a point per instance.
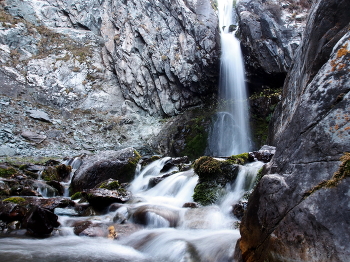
(230, 134)
(169, 232)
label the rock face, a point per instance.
(270, 33)
(115, 63)
(299, 209)
(119, 165)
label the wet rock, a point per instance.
(114, 207)
(125, 230)
(59, 172)
(239, 209)
(213, 174)
(80, 208)
(265, 154)
(4, 189)
(156, 180)
(101, 198)
(191, 205)
(89, 229)
(50, 203)
(33, 137)
(155, 216)
(174, 162)
(58, 186)
(40, 221)
(11, 212)
(119, 165)
(80, 226)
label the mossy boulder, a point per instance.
(213, 174)
(101, 198)
(7, 171)
(57, 173)
(207, 193)
(15, 200)
(240, 159)
(110, 184)
(118, 165)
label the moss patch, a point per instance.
(207, 193)
(110, 185)
(16, 200)
(7, 172)
(207, 167)
(196, 138)
(240, 159)
(342, 173)
(50, 174)
(262, 106)
(76, 196)
(129, 169)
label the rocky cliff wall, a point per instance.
(101, 69)
(162, 55)
(299, 210)
(270, 33)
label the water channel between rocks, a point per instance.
(168, 231)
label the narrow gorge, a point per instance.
(185, 130)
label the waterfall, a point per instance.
(230, 133)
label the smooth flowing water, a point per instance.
(230, 134)
(164, 229)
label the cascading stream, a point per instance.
(166, 230)
(230, 134)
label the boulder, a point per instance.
(50, 203)
(119, 165)
(40, 221)
(11, 212)
(156, 180)
(33, 137)
(7, 151)
(264, 154)
(101, 198)
(39, 115)
(155, 216)
(213, 176)
(296, 212)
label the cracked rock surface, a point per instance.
(289, 216)
(104, 72)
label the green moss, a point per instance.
(207, 167)
(76, 196)
(129, 169)
(342, 173)
(240, 159)
(196, 138)
(113, 185)
(207, 193)
(16, 200)
(7, 172)
(196, 146)
(50, 174)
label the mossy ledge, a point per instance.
(15, 200)
(129, 169)
(213, 175)
(342, 173)
(7, 172)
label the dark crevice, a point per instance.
(83, 27)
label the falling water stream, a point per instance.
(230, 134)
